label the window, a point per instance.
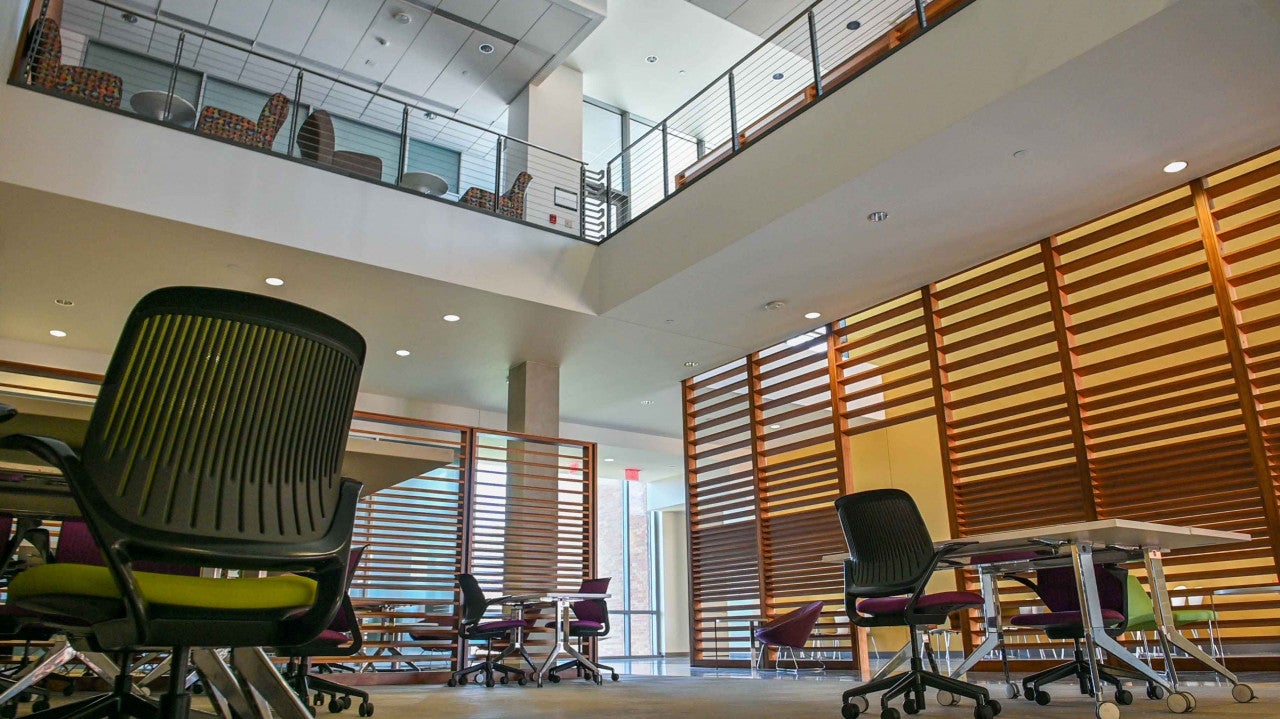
(625, 553)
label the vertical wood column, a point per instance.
(1225, 297)
(1069, 378)
(839, 424)
(690, 470)
(757, 465)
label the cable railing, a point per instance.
(828, 44)
(189, 78)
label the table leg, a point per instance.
(1087, 593)
(567, 644)
(1168, 632)
(993, 636)
(224, 690)
(262, 678)
(894, 662)
(555, 645)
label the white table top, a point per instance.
(428, 183)
(151, 103)
(1229, 591)
(1102, 532)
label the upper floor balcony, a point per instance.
(193, 79)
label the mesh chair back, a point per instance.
(1057, 588)
(593, 610)
(473, 601)
(889, 543)
(223, 417)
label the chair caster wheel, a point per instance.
(462, 680)
(40, 705)
(984, 711)
(346, 702)
(197, 688)
(1180, 702)
(1155, 691)
(319, 700)
(995, 706)
(452, 682)
(9, 711)
(553, 678)
(335, 706)
(24, 697)
(503, 680)
(488, 681)
(850, 711)
(862, 703)
(69, 689)
(365, 709)
(1029, 693)
(1107, 710)
(1242, 693)
(614, 677)
(1124, 697)
(1042, 698)
(522, 681)
(890, 713)
(1011, 691)
(947, 699)
(598, 679)
(909, 706)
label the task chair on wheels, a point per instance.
(473, 628)
(891, 558)
(1056, 587)
(217, 440)
(591, 620)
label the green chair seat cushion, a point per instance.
(1181, 617)
(284, 592)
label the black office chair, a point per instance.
(891, 558)
(217, 440)
(473, 628)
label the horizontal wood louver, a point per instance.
(412, 534)
(883, 372)
(798, 478)
(1010, 445)
(1244, 202)
(533, 520)
(723, 519)
(1163, 418)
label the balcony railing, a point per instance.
(187, 78)
(817, 52)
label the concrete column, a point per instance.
(533, 399)
(548, 115)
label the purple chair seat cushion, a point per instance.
(501, 625)
(941, 602)
(334, 637)
(580, 625)
(1059, 619)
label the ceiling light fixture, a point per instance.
(608, 459)
(682, 72)
(778, 76)
(274, 281)
(853, 25)
(486, 48)
(651, 59)
(812, 315)
(451, 318)
(774, 305)
(1175, 166)
(129, 18)
(64, 303)
(57, 333)
(383, 41)
(690, 364)
(878, 216)
(646, 402)
(403, 18)
(403, 353)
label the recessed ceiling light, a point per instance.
(608, 459)
(651, 59)
(486, 48)
(383, 41)
(403, 353)
(812, 315)
(57, 333)
(774, 305)
(1175, 166)
(403, 18)
(878, 216)
(64, 303)
(451, 318)
(774, 426)
(681, 72)
(274, 281)
(646, 402)
(690, 364)
(129, 18)
(778, 76)
(853, 25)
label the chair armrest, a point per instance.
(47, 449)
(216, 122)
(939, 561)
(7, 413)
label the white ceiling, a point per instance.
(433, 59)
(681, 35)
(760, 17)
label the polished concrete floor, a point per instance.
(670, 690)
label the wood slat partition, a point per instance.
(1128, 367)
(724, 538)
(798, 480)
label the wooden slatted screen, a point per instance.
(724, 556)
(533, 515)
(1129, 367)
(798, 480)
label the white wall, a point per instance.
(675, 581)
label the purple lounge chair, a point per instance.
(791, 631)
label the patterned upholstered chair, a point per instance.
(48, 72)
(216, 122)
(511, 204)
